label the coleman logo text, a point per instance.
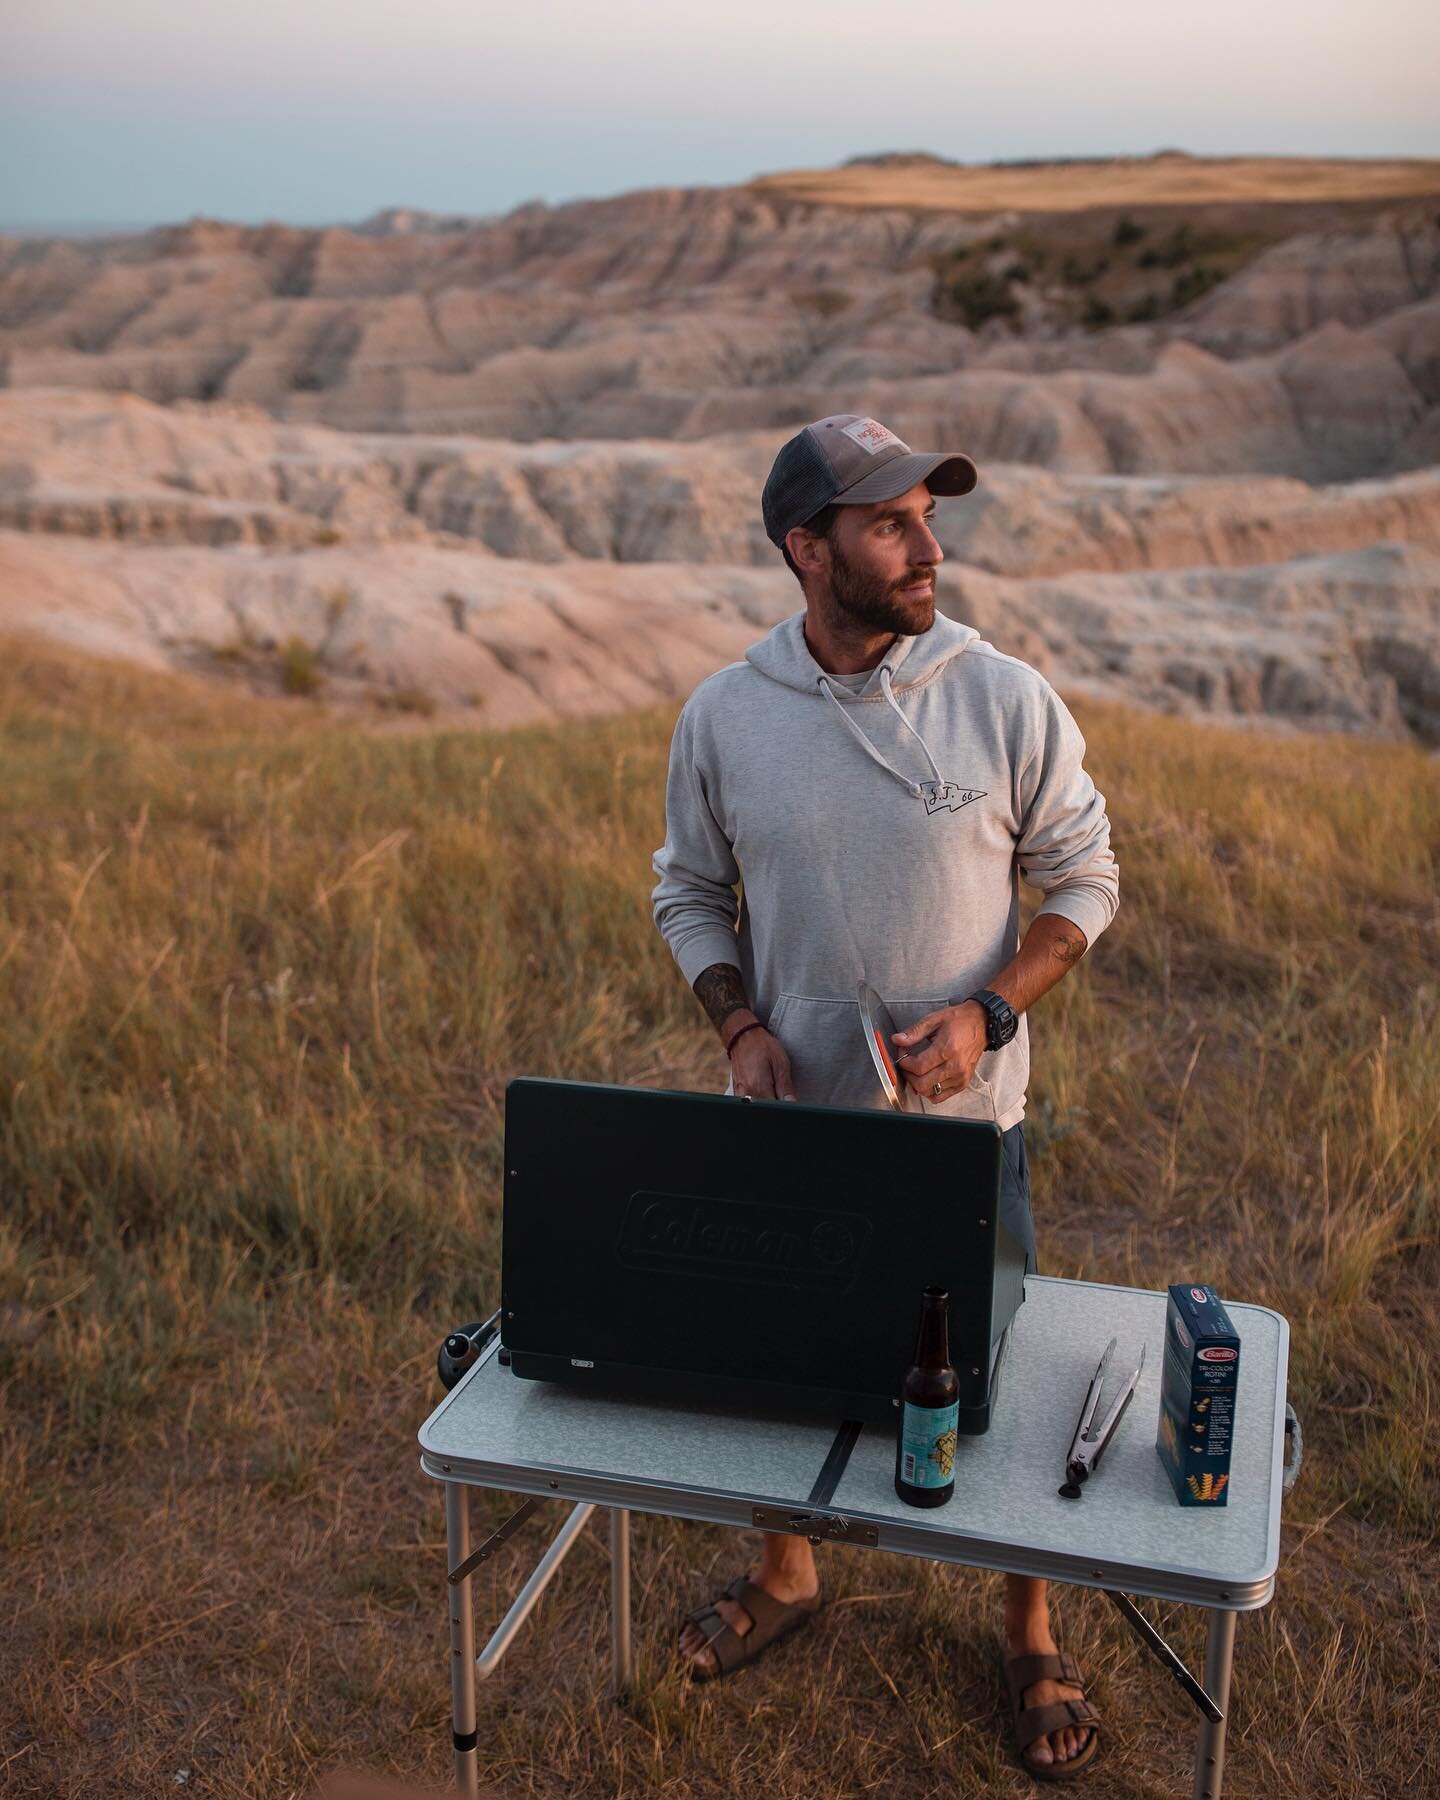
(761, 1241)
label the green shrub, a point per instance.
(338, 602)
(1128, 230)
(1190, 284)
(972, 299)
(300, 671)
(1080, 273)
(1097, 312)
(1176, 249)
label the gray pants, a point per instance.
(1015, 1213)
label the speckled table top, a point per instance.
(496, 1430)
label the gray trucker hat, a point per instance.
(850, 460)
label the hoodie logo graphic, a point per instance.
(948, 796)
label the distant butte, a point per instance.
(919, 181)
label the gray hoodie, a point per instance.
(880, 835)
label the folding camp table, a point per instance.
(833, 1483)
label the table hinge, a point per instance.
(815, 1526)
(492, 1543)
(1165, 1656)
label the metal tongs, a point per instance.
(1089, 1442)
(1086, 1448)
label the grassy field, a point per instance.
(264, 979)
(928, 183)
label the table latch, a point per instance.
(816, 1526)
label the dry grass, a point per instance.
(1163, 180)
(265, 978)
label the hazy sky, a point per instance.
(147, 110)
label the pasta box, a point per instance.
(1197, 1395)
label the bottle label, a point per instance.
(927, 1445)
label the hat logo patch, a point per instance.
(871, 435)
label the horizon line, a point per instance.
(90, 227)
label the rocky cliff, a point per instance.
(1289, 337)
(523, 581)
(512, 465)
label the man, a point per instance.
(881, 777)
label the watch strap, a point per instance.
(998, 1013)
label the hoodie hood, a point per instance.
(785, 657)
(909, 662)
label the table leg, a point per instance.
(462, 1641)
(621, 1652)
(1210, 1750)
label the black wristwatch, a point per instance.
(1001, 1020)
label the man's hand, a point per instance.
(761, 1068)
(946, 1065)
(758, 1063)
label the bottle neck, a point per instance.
(932, 1345)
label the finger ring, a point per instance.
(935, 1091)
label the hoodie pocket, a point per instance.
(978, 1101)
(816, 1035)
(829, 1058)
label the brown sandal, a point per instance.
(1034, 1722)
(770, 1620)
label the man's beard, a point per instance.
(865, 603)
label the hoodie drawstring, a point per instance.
(911, 787)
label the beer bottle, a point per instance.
(929, 1410)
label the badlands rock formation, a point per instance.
(540, 580)
(684, 313)
(508, 469)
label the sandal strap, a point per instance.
(1039, 1721)
(1025, 1671)
(709, 1624)
(769, 1619)
(761, 1607)
(766, 1612)
(729, 1648)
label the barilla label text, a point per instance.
(927, 1445)
(1197, 1395)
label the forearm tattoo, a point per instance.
(721, 992)
(1069, 950)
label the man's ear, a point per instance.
(807, 548)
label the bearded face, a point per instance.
(870, 595)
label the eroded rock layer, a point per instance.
(509, 468)
(510, 582)
(1289, 336)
